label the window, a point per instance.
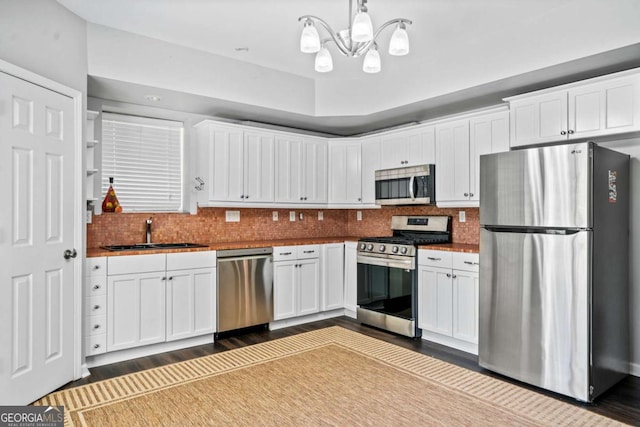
(144, 157)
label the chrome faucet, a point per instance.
(149, 221)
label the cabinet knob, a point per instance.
(448, 274)
(163, 279)
(96, 307)
(96, 346)
(96, 326)
(434, 259)
(571, 131)
(96, 287)
(171, 278)
(246, 197)
(96, 267)
(466, 194)
(301, 198)
(470, 194)
(563, 132)
(454, 276)
(359, 199)
(242, 196)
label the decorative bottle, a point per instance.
(110, 202)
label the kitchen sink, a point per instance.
(151, 246)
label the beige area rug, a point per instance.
(332, 377)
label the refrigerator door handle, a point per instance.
(534, 230)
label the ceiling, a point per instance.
(465, 54)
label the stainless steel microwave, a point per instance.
(413, 185)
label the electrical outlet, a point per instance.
(320, 216)
(292, 216)
(232, 216)
(300, 216)
(275, 215)
(89, 217)
(462, 216)
(359, 215)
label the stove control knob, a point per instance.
(403, 251)
(370, 247)
(394, 249)
(362, 246)
(382, 248)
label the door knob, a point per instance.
(70, 253)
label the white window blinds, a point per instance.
(144, 157)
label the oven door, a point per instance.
(386, 285)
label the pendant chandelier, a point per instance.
(357, 40)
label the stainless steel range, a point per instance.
(387, 274)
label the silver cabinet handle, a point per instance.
(472, 263)
(285, 253)
(308, 252)
(434, 259)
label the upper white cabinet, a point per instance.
(412, 147)
(237, 164)
(300, 169)
(459, 145)
(597, 107)
(345, 172)
(370, 163)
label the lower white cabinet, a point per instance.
(448, 298)
(350, 277)
(296, 281)
(159, 297)
(332, 261)
(95, 306)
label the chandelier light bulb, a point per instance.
(362, 28)
(399, 44)
(371, 62)
(324, 61)
(310, 39)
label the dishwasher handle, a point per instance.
(245, 258)
(235, 253)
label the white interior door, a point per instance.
(36, 227)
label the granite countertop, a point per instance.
(98, 252)
(453, 247)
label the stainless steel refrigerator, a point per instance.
(554, 267)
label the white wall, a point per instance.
(44, 37)
(632, 147)
(128, 57)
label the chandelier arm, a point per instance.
(364, 47)
(339, 43)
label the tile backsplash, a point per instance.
(209, 225)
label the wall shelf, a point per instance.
(93, 177)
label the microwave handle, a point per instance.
(411, 193)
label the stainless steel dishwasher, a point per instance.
(245, 288)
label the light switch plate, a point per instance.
(232, 216)
(275, 215)
(292, 216)
(89, 217)
(320, 216)
(359, 215)
(462, 216)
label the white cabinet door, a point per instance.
(435, 295)
(452, 161)
(284, 289)
(370, 164)
(465, 305)
(350, 277)
(308, 284)
(258, 167)
(314, 171)
(222, 162)
(191, 303)
(288, 169)
(538, 119)
(332, 271)
(135, 310)
(345, 172)
(487, 134)
(408, 148)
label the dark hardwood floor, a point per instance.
(622, 402)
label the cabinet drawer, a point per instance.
(95, 344)
(284, 253)
(435, 258)
(466, 262)
(95, 285)
(95, 266)
(96, 305)
(129, 264)
(95, 325)
(191, 260)
(308, 251)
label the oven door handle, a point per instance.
(405, 264)
(411, 183)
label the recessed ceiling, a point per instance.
(464, 54)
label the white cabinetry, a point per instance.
(448, 298)
(92, 185)
(345, 172)
(159, 297)
(296, 281)
(236, 164)
(350, 278)
(370, 163)
(95, 306)
(332, 267)
(412, 147)
(300, 169)
(591, 108)
(459, 145)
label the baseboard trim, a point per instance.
(294, 321)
